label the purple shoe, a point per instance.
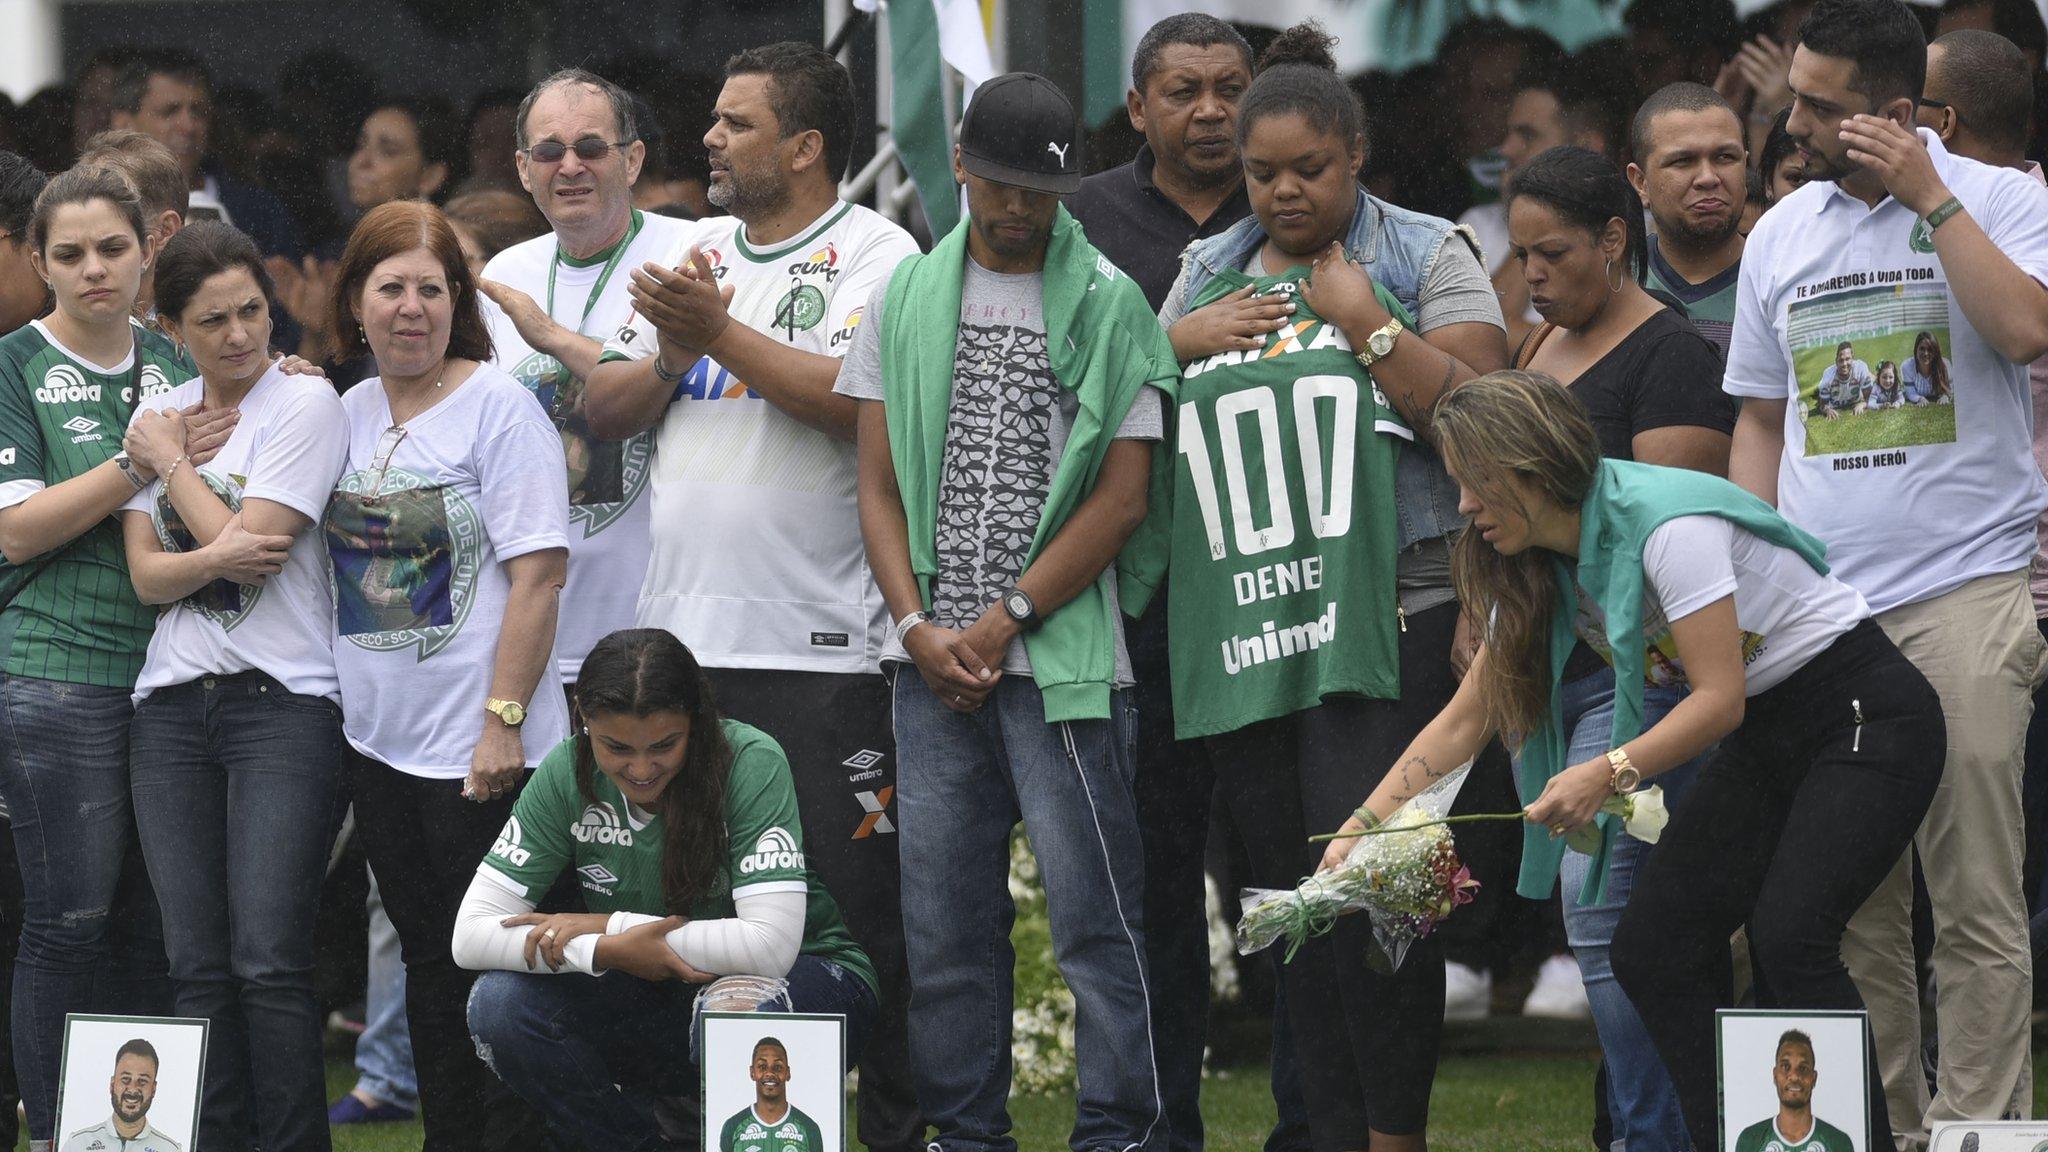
(350, 1109)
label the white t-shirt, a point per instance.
(757, 560)
(418, 528)
(607, 479)
(1788, 612)
(287, 448)
(1912, 502)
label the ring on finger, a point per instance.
(548, 935)
(1557, 829)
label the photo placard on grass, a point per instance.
(130, 1083)
(1797, 1081)
(774, 1082)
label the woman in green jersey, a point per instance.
(72, 633)
(1311, 617)
(681, 829)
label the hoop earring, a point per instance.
(1613, 281)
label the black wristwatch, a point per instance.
(1017, 603)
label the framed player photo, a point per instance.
(130, 1083)
(1999, 1136)
(774, 1082)
(1794, 1081)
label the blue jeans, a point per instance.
(1639, 1091)
(234, 780)
(591, 1054)
(384, 1050)
(963, 783)
(91, 939)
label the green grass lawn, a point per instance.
(1890, 428)
(1494, 1103)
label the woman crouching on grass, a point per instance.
(682, 829)
(1831, 742)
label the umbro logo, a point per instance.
(82, 429)
(866, 765)
(597, 878)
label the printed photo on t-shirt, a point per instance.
(605, 476)
(224, 602)
(405, 561)
(1873, 368)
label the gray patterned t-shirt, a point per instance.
(1005, 432)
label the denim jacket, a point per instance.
(1399, 249)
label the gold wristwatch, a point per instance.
(510, 712)
(1380, 343)
(1625, 777)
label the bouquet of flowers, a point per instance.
(1405, 874)
(1406, 878)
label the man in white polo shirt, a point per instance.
(756, 558)
(1929, 511)
(559, 295)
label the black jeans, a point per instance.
(835, 729)
(424, 842)
(1365, 1044)
(1172, 787)
(1790, 827)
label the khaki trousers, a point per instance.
(1981, 649)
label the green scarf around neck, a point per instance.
(1628, 501)
(1103, 343)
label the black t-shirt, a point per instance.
(1132, 222)
(1662, 375)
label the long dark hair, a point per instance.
(1503, 425)
(638, 672)
(1587, 190)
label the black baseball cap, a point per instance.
(1020, 130)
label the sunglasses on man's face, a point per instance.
(590, 150)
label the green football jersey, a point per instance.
(1283, 526)
(72, 614)
(1763, 1136)
(1709, 305)
(795, 1132)
(615, 850)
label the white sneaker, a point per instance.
(1468, 994)
(1559, 993)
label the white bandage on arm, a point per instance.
(761, 938)
(482, 942)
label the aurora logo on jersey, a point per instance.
(776, 849)
(64, 384)
(601, 825)
(605, 477)
(506, 846)
(223, 602)
(406, 560)
(824, 262)
(154, 383)
(1276, 643)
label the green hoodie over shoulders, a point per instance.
(1628, 501)
(1104, 344)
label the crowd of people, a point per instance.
(682, 587)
